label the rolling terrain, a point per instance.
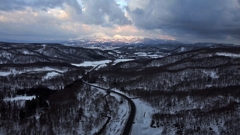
(192, 92)
(177, 89)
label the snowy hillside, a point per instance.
(192, 92)
(179, 89)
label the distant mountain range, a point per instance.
(102, 39)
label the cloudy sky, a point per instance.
(181, 20)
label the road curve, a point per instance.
(128, 126)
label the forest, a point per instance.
(196, 91)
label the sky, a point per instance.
(180, 20)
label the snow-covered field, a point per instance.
(99, 63)
(6, 73)
(121, 60)
(13, 71)
(144, 54)
(20, 98)
(92, 63)
(228, 55)
(50, 75)
(102, 47)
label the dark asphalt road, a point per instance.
(128, 126)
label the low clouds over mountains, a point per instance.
(186, 20)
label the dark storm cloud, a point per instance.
(13, 5)
(202, 18)
(59, 19)
(9, 5)
(98, 12)
(210, 20)
(104, 12)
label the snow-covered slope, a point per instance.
(32, 53)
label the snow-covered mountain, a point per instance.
(100, 39)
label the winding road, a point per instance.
(130, 121)
(128, 126)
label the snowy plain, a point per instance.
(43, 69)
(102, 62)
(92, 63)
(233, 55)
(20, 98)
(50, 75)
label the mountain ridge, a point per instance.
(100, 39)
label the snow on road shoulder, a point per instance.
(143, 119)
(117, 124)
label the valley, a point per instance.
(176, 89)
